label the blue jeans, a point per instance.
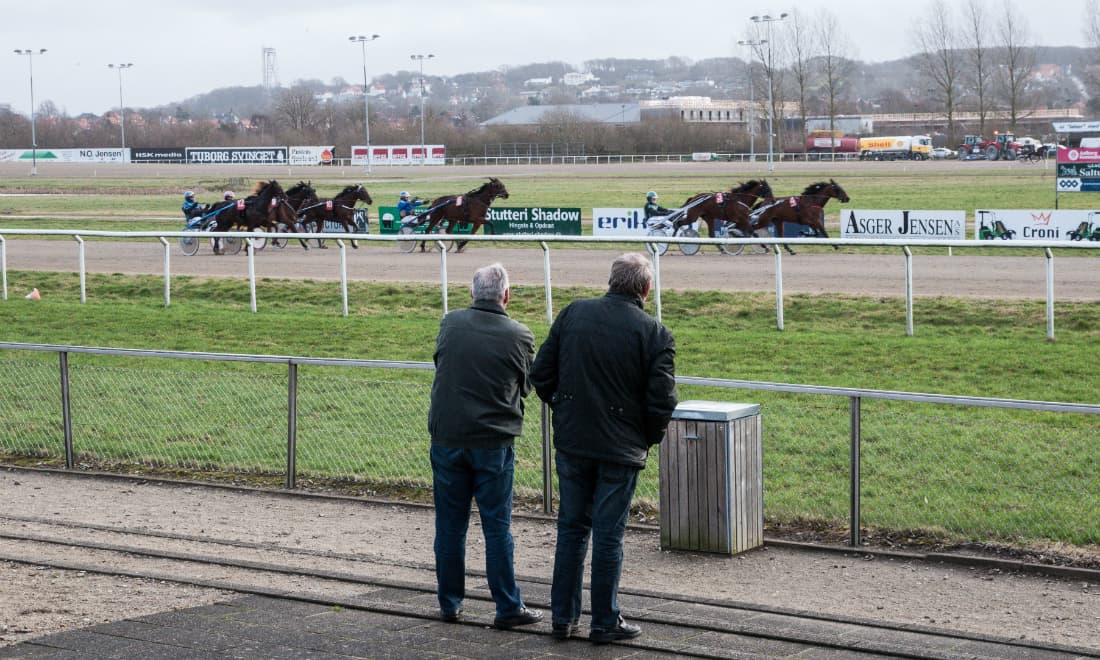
(595, 499)
(460, 475)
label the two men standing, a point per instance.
(607, 371)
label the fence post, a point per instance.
(66, 410)
(854, 459)
(544, 426)
(443, 272)
(4, 265)
(167, 273)
(908, 290)
(778, 288)
(343, 274)
(251, 274)
(291, 424)
(657, 281)
(83, 274)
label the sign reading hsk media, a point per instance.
(890, 224)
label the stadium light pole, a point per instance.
(421, 58)
(121, 108)
(752, 43)
(30, 67)
(362, 41)
(768, 20)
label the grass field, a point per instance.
(955, 473)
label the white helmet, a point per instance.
(404, 195)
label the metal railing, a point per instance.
(892, 462)
(544, 243)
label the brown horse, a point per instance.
(472, 209)
(805, 209)
(264, 208)
(726, 207)
(340, 209)
(299, 197)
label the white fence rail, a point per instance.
(544, 242)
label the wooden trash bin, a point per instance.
(712, 478)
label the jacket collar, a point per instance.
(634, 300)
(489, 306)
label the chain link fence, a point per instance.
(965, 470)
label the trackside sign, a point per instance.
(1036, 225)
(888, 224)
(546, 220)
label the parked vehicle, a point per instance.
(820, 143)
(942, 153)
(1002, 146)
(896, 147)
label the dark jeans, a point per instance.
(460, 475)
(595, 499)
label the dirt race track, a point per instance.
(1007, 277)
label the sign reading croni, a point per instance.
(431, 154)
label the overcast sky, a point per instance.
(181, 49)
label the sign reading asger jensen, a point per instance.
(887, 224)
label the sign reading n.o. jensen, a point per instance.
(887, 224)
(237, 155)
(550, 221)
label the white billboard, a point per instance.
(1036, 225)
(92, 155)
(892, 224)
(618, 222)
(430, 154)
(310, 155)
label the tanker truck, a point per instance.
(896, 147)
(822, 146)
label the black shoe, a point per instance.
(522, 618)
(621, 631)
(451, 617)
(564, 630)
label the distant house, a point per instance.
(574, 79)
(604, 113)
(538, 82)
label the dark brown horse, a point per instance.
(340, 209)
(264, 209)
(300, 196)
(470, 209)
(805, 209)
(731, 207)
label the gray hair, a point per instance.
(490, 283)
(631, 274)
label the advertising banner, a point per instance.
(618, 222)
(237, 155)
(311, 155)
(432, 154)
(1078, 155)
(890, 224)
(1037, 225)
(117, 155)
(158, 155)
(545, 220)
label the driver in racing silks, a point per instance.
(190, 207)
(652, 208)
(407, 207)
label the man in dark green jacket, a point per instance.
(481, 362)
(607, 370)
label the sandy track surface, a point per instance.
(990, 277)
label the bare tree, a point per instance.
(1018, 63)
(296, 108)
(800, 43)
(978, 38)
(1092, 37)
(939, 59)
(835, 66)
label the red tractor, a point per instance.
(1003, 145)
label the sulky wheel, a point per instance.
(688, 249)
(657, 248)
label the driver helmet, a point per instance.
(651, 195)
(404, 195)
(228, 195)
(189, 196)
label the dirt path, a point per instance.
(1008, 277)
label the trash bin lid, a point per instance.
(714, 411)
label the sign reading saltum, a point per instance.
(910, 224)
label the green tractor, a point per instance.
(996, 229)
(1086, 231)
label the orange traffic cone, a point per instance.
(33, 295)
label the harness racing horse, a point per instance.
(805, 209)
(263, 208)
(339, 209)
(728, 207)
(471, 208)
(298, 197)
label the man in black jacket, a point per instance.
(481, 362)
(607, 371)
